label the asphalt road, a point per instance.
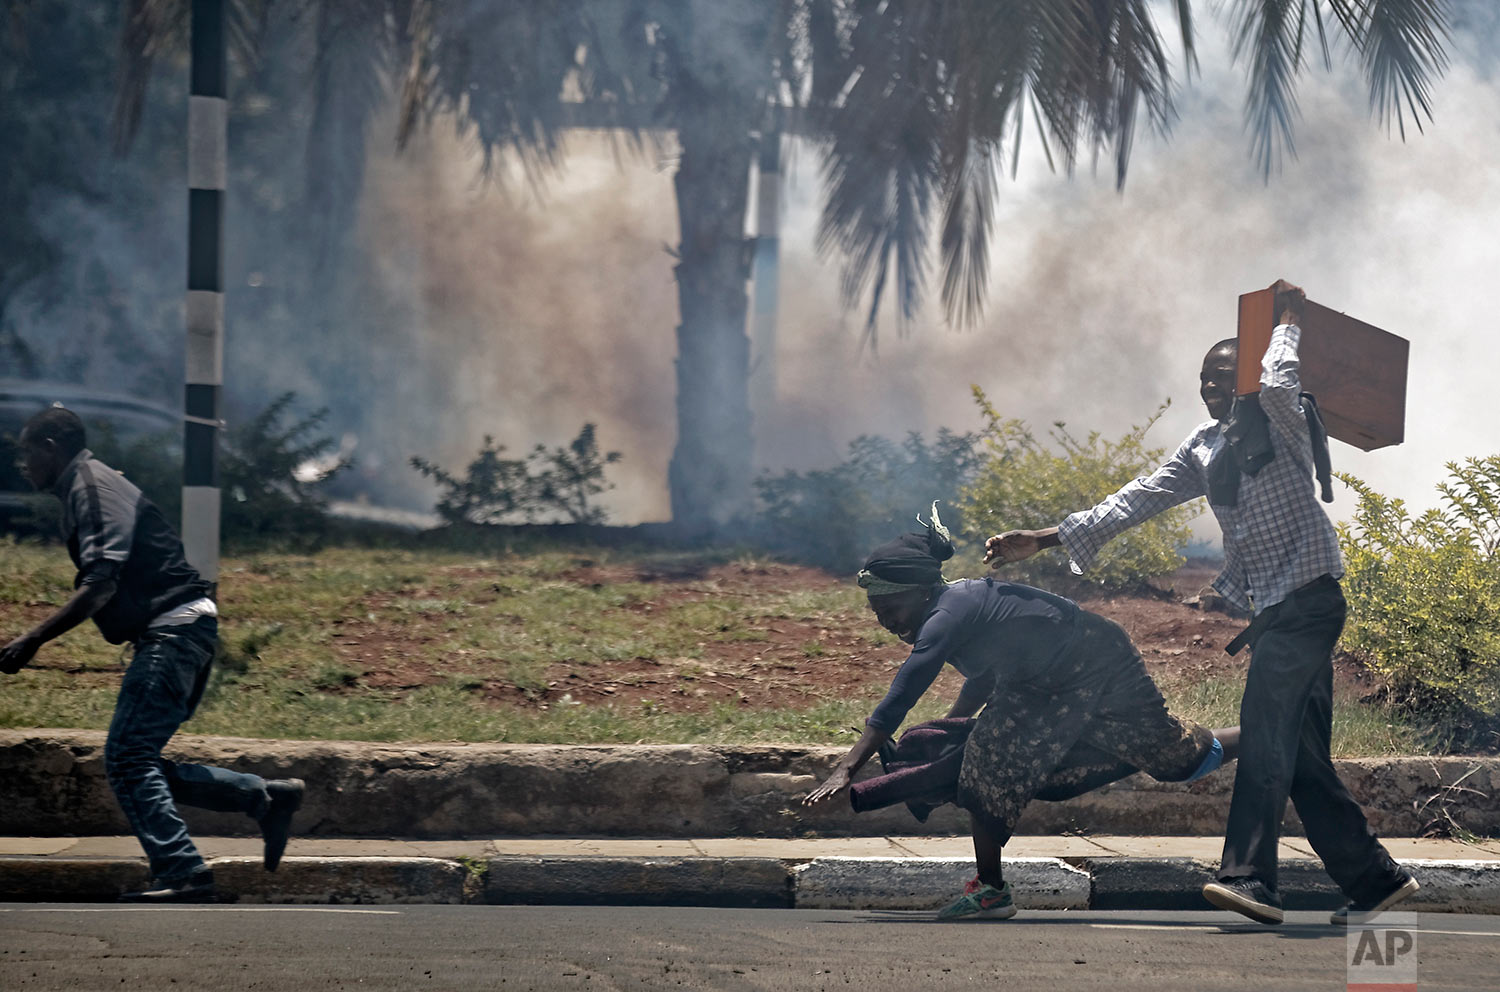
(608, 948)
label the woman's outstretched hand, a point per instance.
(836, 783)
(845, 770)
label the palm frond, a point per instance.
(1139, 74)
(416, 99)
(506, 71)
(883, 165)
(1090, 70)
(1185, 31)
(826, 55)
(968, 222)
(149, 28)
(1401, 44)
(1269, 33)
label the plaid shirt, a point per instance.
(1277, 539)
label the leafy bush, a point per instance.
(834, 517)
(1424, 596)
(1025, 484)
(545, 484)
(263, 472)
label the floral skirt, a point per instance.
(1092, 717)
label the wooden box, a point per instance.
(1356, 371)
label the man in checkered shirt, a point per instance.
(1281, 561)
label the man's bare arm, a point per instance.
(1017, 545)
(84, 603)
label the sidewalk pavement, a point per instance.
(1052, 872)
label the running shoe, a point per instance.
(195, 887)
(981, 902)
(276, 823)
(1246, 896)
(1362, 912)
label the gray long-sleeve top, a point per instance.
(982, 627)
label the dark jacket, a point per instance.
(115, 533)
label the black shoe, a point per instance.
(1361, 912)
(1246, 896)
(195, 887)
(276, 823)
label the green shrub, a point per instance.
(560, 482)
(265, 494)
(834, 517)
(1424, 596)
(1026, 484)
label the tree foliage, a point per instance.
(54, 122)
(545, 485)
(833, 517)
(935, 96)
(1424, 591)
(914, 106)
(1026, 483)
(917, 103)
(268, 488)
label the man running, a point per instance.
(134, 582)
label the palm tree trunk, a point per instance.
(710, 472)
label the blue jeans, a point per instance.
(161, 689)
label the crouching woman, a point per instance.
(1064, 701)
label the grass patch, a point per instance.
(330, 676)
(1360, 730)
(394, 644)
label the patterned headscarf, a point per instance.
(912, 561)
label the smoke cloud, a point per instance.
(531, 314)
(459, 306)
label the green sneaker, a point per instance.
(981, 902)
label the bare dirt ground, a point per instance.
(789, 658)
(801, 636)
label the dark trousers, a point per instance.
(1285, 724)
(161, 689)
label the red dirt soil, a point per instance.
(792, 661)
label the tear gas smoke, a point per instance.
(545, 312)
(463, 307)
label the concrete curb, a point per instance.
(931, 883)
(1456, 886)
(362, 881)
(1133, 884)
(754, 883)
(52, 783)
(1175, 883)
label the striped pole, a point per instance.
(208, 154)
(766, 295)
